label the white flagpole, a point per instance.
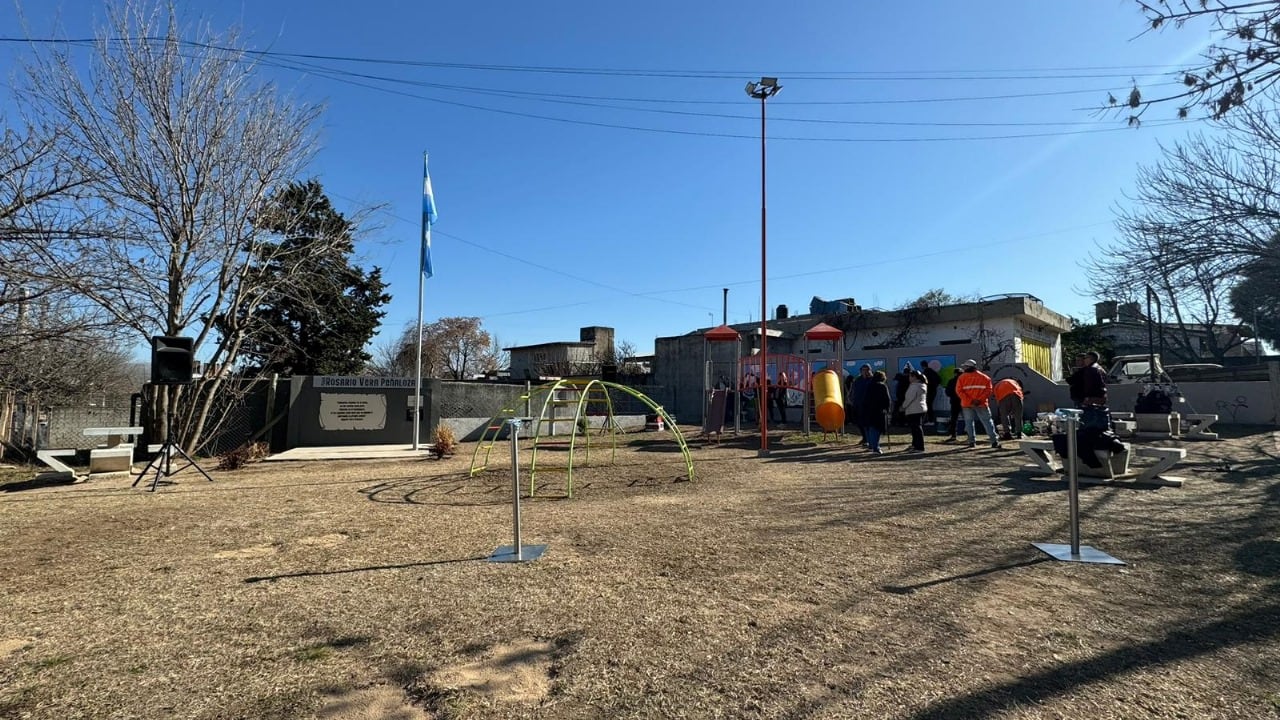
(422, 278)
(417, 402)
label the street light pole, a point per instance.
(763, 90)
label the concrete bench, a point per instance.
(116, 456)
(1157, 426)
(1165, 459)
(1198, 426)
(1124, 428)
(1046, 462)
(115, 436)
(50, 458)
(111, 460)
(1115, 467)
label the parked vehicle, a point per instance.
(1132, 369)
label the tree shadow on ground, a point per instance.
(367, 568)
(456, 490)
(1250, 626)
(43, 480)
(908, 589)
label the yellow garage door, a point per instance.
(1039, 356)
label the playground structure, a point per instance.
(755, 382)
(827, 380)
(562, 415)
(715, 379)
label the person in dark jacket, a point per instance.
(876, 406)
(953, 401)
(857, 397)
(1088, 384)
(933, 384)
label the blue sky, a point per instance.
(547, 226)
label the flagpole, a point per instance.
(422, 281)
(417, 389)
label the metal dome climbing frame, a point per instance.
(587, 397)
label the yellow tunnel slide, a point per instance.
(827, 401)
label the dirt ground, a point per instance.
(820, 582)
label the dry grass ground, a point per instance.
(818, 583)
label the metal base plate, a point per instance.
(1087, 554)
(507, 553)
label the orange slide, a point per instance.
(827, 400)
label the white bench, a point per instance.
(1047, 462)
(116, 456)
(1198, 425)
(1165, 458)
(50, 458)
(1115, 467)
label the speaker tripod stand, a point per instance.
(162, 463)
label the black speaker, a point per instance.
(171, 360)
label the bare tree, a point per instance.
(1239, 66)
(1201, 217)
(177, 151)
(454, 348)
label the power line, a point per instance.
(330, 74)
(568, 100)
(1049, 73)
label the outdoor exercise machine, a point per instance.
(563, 415)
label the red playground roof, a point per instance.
(723, 333)
(823, 331)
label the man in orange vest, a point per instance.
(975, 390)
(1009, 396)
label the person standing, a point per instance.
(953, 401)
(780, 397)
(914, 409)
(975, 390)
(861, 385)
(901, 382)
(1088, 383)
(1009, 397)
(875, 408)
(933, 383)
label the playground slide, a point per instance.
(827, 401)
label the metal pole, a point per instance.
(422, 280)
(1074, 552)
(1151, 340)
(515, 489)
(764, 314)
(724, 311)
(1073, 485)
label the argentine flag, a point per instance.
(428, 217)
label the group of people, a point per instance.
(775, 397)
(971, 392)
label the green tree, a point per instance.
(1256, 298)
(1083, 337)
(318, 322)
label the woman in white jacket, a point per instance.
(914, 406)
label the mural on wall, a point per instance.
(944, 365)
(796, 368)
(851, 366)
